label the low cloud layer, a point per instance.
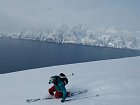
(16, 15)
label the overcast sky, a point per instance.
(18, 15)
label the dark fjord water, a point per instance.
(17, 55)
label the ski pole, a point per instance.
(70, 75)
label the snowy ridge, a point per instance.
(107, 37)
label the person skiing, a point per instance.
(58, 89)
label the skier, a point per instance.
(58, 87)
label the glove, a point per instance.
(62, 100)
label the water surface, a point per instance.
(17, 55)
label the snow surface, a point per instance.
(116, 81)
(78, 34)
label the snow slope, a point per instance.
(116, 81)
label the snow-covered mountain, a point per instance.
(107, 37)
(116, 81)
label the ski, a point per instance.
(82, 97)
(78, 92)
(48, 98)
(38, 99)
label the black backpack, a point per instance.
(63, 78)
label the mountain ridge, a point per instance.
(110, 37)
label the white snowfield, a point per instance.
(116, 81)
(107, 37)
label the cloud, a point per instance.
(41, 14)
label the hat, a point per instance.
(62, 75)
